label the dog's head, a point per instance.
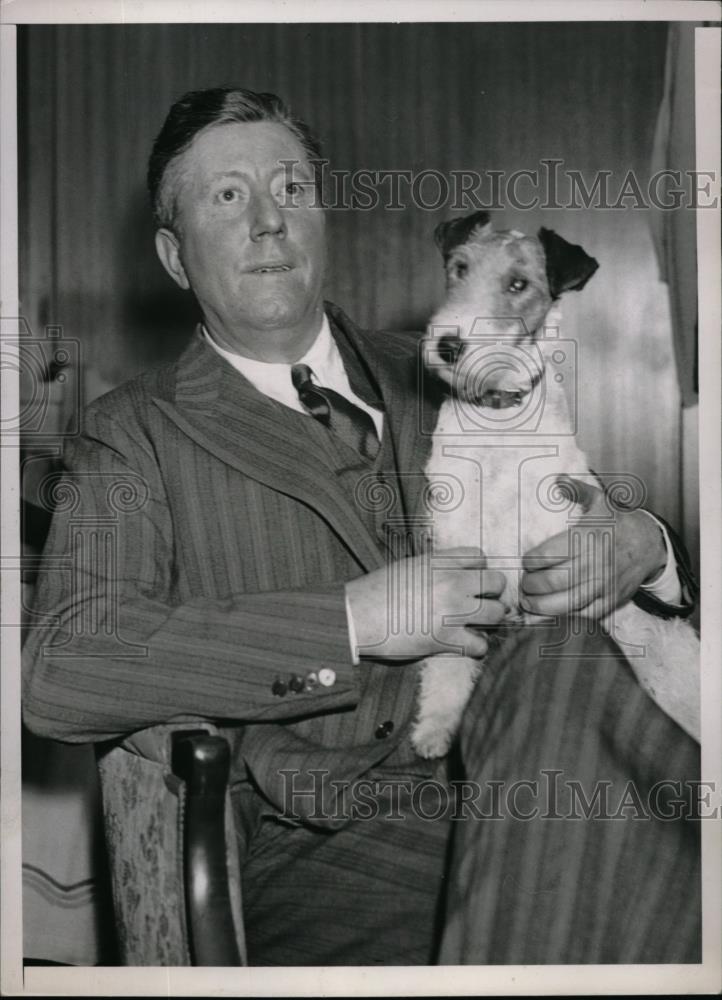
(500, 286)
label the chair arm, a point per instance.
(202, 762)
(165, 791)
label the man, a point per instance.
(263, 492)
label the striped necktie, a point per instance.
(352, 424)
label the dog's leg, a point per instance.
(445, 684)
(667, 665)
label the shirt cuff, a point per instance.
(355, 658)
(666, 587)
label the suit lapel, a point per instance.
(223, 413)
(394, 371)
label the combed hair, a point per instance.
(197, 110)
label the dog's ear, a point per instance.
(568, 266)
(453, 233)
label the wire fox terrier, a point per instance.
(504, 435)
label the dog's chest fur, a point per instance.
(505, 498)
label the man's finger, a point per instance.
(552, 552)
(490, 613)
(493, 583)
(598, 608)
(586, 495)
(561, 602)
(548, 581)
(475, 644)
(470, 584)
(562, 546)
(464, 557)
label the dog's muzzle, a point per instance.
(500, 399)
(474, 377)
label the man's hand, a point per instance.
(426, 604)
(572, 573)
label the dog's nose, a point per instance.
(450, 349)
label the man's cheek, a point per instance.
(310, 224)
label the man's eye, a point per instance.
(459, 269)
(298, 191)
(228, 195)
(518, 284)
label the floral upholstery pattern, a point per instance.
(142, 807)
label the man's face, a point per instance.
(251, 247)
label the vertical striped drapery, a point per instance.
(411, 97)
(675, 228)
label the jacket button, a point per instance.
(384, 729)
(311, 680)
(327, 677)
(297, 683)
(279, 687)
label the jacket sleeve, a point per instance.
(647, 600)
(113, 648)
(688, 582)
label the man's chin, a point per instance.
(276, 311)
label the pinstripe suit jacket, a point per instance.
(202, 537)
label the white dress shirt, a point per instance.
(323, 357)
(666, 587)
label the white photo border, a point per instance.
(460, 981)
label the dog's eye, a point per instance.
(459, 269)
(518, 284)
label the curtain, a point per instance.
(674, 229)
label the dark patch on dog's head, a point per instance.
(454, 232)
(568, 266)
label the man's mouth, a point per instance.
(270, 269)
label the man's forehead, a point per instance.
(245, 147)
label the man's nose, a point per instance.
(267, 218)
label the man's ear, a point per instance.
(168, 249)
(453, 233)
(568, 266)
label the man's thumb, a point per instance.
(579, 492)
(463, 554)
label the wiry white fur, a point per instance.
(495, 470)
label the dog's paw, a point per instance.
(430, 738)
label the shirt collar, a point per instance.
(322, 357)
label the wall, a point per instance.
(444, 97)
